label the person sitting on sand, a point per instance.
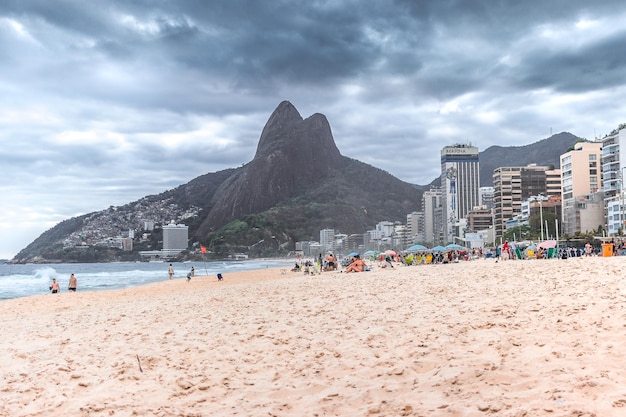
(357, 266)
(54, 287)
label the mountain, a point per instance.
(545, 152)
(297, 183)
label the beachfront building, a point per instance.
(613, 163)
(460, 182)
(327, 239)
(581, 173)
(588, 212)
(433, 217)
(512, 185)
(175, 239)
(414, 224)
(479, 218)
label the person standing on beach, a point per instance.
(193, 272)
(71, 286)
(54, 287)
(170, 271)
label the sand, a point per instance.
(514, 338)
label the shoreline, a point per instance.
(469, 339)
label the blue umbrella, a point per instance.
(370, 252)
(351, 254)
(416, 248)
(438, 249)
(454, 246)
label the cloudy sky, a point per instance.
(103, 102)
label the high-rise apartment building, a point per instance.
(414, 224)
(613, 165)
(581, 173)
(433, 217)
(175, 238)
(460, 183)
(486, 197)
(327, 238)
(512, 185)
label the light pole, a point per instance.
(541, 215)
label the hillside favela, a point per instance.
(300, 197)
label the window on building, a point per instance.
(592, 156)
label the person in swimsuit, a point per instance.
(72, 284)
(54, 287)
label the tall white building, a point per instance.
(460, 183)
(581, 173)
(414, 224)
(175, 238)
(433, 217)
(327, 239)
(613, 164)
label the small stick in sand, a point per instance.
(139, 362)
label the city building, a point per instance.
(433, 217)
(460, 183)
(327, 239)
(175, 239)
(486, 197)
(512, 185)
(581, 174)
(589, 212)
(613, 164)
(414, 224)
(480, 218)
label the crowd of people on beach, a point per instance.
(506, 251)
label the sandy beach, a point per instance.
(514, 338)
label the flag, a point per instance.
(203, 249)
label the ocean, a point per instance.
(32, 279)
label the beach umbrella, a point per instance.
(548, 244)
(416, 248)
(370, 252)
(454, 246)
(353, 254)
(438, 249)
(390, 252)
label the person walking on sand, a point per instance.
(170, 271)
(190, 274)
(54, 287)
(193, 272)
(71, 286)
